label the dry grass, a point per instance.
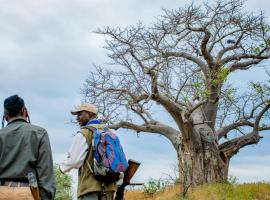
(254, 191)
(171, 193)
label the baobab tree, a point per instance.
(181, 63)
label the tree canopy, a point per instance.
(182, 63)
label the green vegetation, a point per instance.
(251, 191)
(219, 191)
(63, 185)
(153, 186)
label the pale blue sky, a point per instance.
(47, 49)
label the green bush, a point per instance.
(232, 179)
(153, 186)
(63, 185)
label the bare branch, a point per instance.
(246, 121)
(140, 114)
(243, 56)
(231, 147)
(254, 108)
(259, 117)
(232, 47)
(243, 65)
(226, 129)
(187, 56)
(184, 85)
(152, 127)
(206, 54)
(197, 105)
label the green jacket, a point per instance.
(26, 148)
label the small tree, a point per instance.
(181, 63)
(63, 185)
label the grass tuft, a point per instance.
(219, 191)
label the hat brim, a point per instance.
(75, 111)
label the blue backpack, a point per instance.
(109, 157)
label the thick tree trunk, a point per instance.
(201, 161)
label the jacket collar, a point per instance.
(97, 123)
(15, 119)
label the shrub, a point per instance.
(63, 185)
(153, 186)
(232, 179)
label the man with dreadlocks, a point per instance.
(26, 167)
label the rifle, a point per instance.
(129, 173)
(33, 186)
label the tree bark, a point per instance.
(201, 164)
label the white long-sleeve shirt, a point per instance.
(76, 154)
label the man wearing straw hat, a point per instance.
(81, 151)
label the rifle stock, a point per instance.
(131, 170)
(35, 193)
(33, 184)
(129, 173)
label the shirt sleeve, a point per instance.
(76, 154)
(44, 168)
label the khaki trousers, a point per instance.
(15, 193)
